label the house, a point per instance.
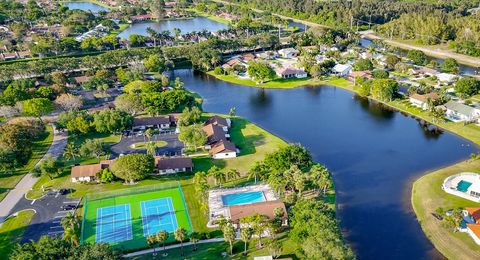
(474, 231)
(267, 208)
(248, 57)
(421, 100)
(232, 62)
(24, 54)
(225, 123)
(88, 173)
(169, 165)
(446, 78)
(215, 133)
(289, 73)
(81, 80)
(223, 149)
(423, 71)
(341, 70)
(288, 53)
(163, 122)
(9, 56)
(139, 18)
(458, 112)
(359, 74)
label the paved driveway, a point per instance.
(173, 147)
(48, 215)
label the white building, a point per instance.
(342, 70)
(170, 165)
(421, 100)
(289, 73)
(288, 53)
(458, 112)
(465, 185)
(446, 78)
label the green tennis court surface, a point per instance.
(125, 217)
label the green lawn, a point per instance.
(134, 201)
(214, 251)
(143, 145)
(39, 148)
(282, 83)
(12, 230)
(427, 196)
(211, 17)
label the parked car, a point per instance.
(68, 207)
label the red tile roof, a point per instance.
(265, 208)
(475, 213)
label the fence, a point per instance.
(132, 191)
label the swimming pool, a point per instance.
(242, 198)
(463, 185)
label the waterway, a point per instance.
(374, 153)
(86, 6)
(195, 24)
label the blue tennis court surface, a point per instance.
(114, 224)
(157, 215)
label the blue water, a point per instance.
(86, 6)
(242, 198)
(463, 186)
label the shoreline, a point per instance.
(472, 136)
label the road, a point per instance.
(439, 53)
(26, 183)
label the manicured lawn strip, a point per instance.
(211, 17)
(215, 250)
(12, 230)
(39, 148)
(138, 240)
(143, 145)
(427, 196)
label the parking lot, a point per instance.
(173, 147)
(50, 210)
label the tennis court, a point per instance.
(124, 218)
(113, 224)
(157, 215)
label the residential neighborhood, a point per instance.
(239, 129)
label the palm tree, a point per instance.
(180, 235)
(194, 238)
(153, 34)
(162, 236)
(177, 32)
(231, 174)
(258, 171)
(151, 241)
(229, 235)
(245, 236)
(148, 133)
(217, 175)
(70, 152)
(151, 148)
(71, 227)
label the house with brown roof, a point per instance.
(170, 165)
(267, 208)
(9, 56)
(359, 74)
(81, 79)
(223, 149)
(232, 62)
(88, 173)
(225, 123)
(288, 73)
(420, 100)
(142, 17)
(215, 134)
(160, 122)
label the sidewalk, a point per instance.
(26, 183)
(149, 251)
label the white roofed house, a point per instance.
(288, 53)
(458, 112)
(342, 70)
(287, 73)
(421, 100)
(446, 78)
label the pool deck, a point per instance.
(458, 185)
(218, 209)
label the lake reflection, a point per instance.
(374, 154)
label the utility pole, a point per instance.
(351, 22)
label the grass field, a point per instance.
(283, 83)
(427, 196)
(143, 145)
(134, 200)
(12, 230)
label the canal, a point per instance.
(375, 154)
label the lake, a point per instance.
(196, 24)
(373, 152)
(86, 6)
